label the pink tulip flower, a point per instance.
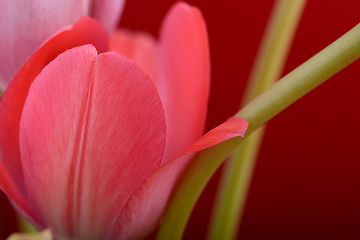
(26, 24)
(91, 145)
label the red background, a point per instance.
(306, 182)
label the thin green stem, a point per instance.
(237, 173)
(274, 47)
(279, 96)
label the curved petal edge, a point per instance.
(183, 77)
(147, 204)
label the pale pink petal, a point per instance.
(138, 46)
(184, 77)
(108, 12)
(146, 205)
(92, 130)
(86, 30)
(26, 24)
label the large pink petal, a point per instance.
(184, 76)
(26, 24)
(140, 47)
(144, 208)
(11, 104)
(92, 130)
(108, 12)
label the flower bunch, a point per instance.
(102, 129)
(93, 142)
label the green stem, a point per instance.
(279, 96)
(274, 47)
(237, 173)
(25, 226)
(233, 187)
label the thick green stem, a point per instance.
(279, 96)
(237, 173)
(235, 182)
(303, 79)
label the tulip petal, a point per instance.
(19, 38)
(108, 12)
(86, 30)
(144, 208)
(92, 130)
(138, 46)
(184, 77)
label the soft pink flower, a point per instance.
(91, 146)
(26, 24)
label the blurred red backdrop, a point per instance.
(8, 222)
(306, 182)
